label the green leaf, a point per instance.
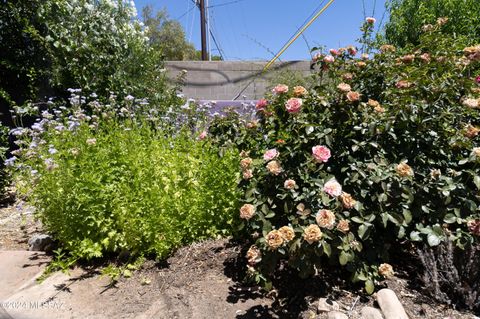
(415, 236)
(343, 258)
(363, 231)
(433, 239)
(327, 249)
(476, 180)
(369, 286)
(450, 218)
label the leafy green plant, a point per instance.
(4, 180)
(382, 152)
(108, 179)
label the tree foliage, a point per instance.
(408, 16)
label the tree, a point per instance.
(167, 35)
(408, 16)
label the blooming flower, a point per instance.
(365, 56)
(202, 135)
(287, 233)
(246, 162)
(91, 141)
(280, 89)
(293, 105)
(385, 270)
(477, 79)
(347, 200)
(254, 255)
(332, 188)
(312, 234)
(325, 218)
(321, 153)
(347, 76)
(474, 226)
(344, 87)
(471, 103)
(261, 104)
(329, 59)
(408, 58)
(476, 152)
(247, 211)
(302, 211)
(299, 91)
(370, 20)
(247, 174)
(334, 52)
(343, 226)
(10, 161)
(274, 239)
(442, 20)
(404, 170)
(270, 154)
(352, 50)
(471, 131)
(403, 84)
(274, 167)
(435, 173)
(387, 48)
(425, 57)
(361, 64)
(353, 96)
(428, 28)
(289, 184)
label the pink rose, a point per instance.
(321, 153)
(334, 52)
(332, 188)
(329, 59)
(280, 89)
(261, 104)
(271, 154)
(371, 20)
(202, 135)
(352, 50)
(477, 79)
(293, 105)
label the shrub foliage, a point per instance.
(382, 152)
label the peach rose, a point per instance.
(370, 20)
(312, 234)
(329, 59)
(347, 200)
(387, 48)
(425, 58)
(280, 89)
(299, 91)
(442, 21)
(428, 28)
(404, 170)
(403, 84)
(347, 76)
(287, 233)
(408, 58)
(385, 270)
(293, 105)
(91, 141)
(274, 239)
(289, 184)
(301, 210)
(435, 173)
(321, 153)
(365, 56)
(274, 167)
(270, 154)
(474, 226)
(325, 218)
(332, 188)
(334, 52)
(361, 64)
(471, 131)
(246, 162)
(343, 226)
(344, 87)
(254, 255)
(476, 152)
(353, 96)
(247, 211)
(471, 103)
(247, 174)
(352, 50)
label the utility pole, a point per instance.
(203, 30)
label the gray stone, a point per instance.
(371, 313)
(336, 315)
(326, 305)
(40, 242)
(390, 305)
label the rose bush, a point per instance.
(381, 153)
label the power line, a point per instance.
(225, 4)
(184, 14)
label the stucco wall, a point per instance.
(225, 80)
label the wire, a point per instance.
(285, 47)
(187, 12)
(224, 4)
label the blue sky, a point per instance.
(249, 29)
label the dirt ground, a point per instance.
(205, 280)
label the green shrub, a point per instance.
(113, 181)
(4, 180)
(381, 154)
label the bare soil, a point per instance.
(205, 280)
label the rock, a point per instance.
(325, 305)
(371, 313)
(336, 315)
(40, 242)
(390, 305)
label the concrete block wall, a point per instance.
(224, 80)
